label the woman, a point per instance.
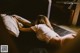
(44, 30)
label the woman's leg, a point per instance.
(65, 39)
(56, 41)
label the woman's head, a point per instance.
(41, 19)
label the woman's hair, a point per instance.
(41, 19)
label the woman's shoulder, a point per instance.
(38, 26)
(41, 24)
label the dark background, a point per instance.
(25, 8)
(29, 9)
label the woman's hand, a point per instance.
(20, 25)
(22, 20)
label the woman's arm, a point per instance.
(22, 20)
(25, 29)
(21, 28)
(48, 23)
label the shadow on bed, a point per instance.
(28, 41)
